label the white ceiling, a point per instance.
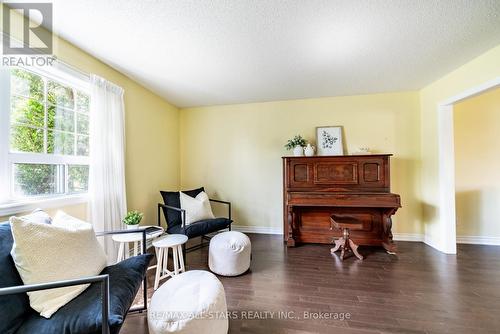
(233, 51)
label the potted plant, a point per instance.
(132, 219)
(296, 144)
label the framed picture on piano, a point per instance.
(329, 140)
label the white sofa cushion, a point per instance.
(197, 208)
(65, 249)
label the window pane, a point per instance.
(60, 142)
(82, 145)
(60, 95)
(26, 84)
(82, 124)
(26, 139)
(78, 180)
(29, 111)
(82, 102)
(38, 179)
(60, 119)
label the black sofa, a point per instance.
(109, 296)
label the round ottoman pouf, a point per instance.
(191, 302)
(229, 253)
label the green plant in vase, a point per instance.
(297, 144)
(132, 219)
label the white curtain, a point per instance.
(108, 204)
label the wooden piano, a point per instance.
(349, 187)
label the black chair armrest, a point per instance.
(219, 201)
(168, 207)
(223, 202)
(102, 279)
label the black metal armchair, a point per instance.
(176, 219)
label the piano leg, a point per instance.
(290, 241)
(390, 247)
(388, 244)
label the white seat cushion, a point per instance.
(65, 249)
(229, 253)
(191, 302)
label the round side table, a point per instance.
(136, 238)
(174, 241)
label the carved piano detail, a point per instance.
(357, 187)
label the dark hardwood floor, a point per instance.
(418, 291)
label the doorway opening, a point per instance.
(447, 213)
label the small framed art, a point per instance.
(329, 140)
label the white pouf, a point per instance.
(191, 302)
(229, 253)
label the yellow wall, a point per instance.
(235, 150)
(152, 136)
(477, 165)
(478, 71)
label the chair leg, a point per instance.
(354, 249)
(338, 243)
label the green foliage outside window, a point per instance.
(50, 118)
(36, 179)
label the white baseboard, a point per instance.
(478, 240)
(408, 237)
(257, 229)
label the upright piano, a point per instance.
(355, 187)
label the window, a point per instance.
(44, 132)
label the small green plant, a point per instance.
(133, 218)
(295, 141)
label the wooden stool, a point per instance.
(345, 243)
(174, 241)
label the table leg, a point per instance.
(120, 252)
(176, 261)
(181, 258)
(159, 266)
(165, 261)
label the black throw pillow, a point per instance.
(172, 198)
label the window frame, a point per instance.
(9, 203)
